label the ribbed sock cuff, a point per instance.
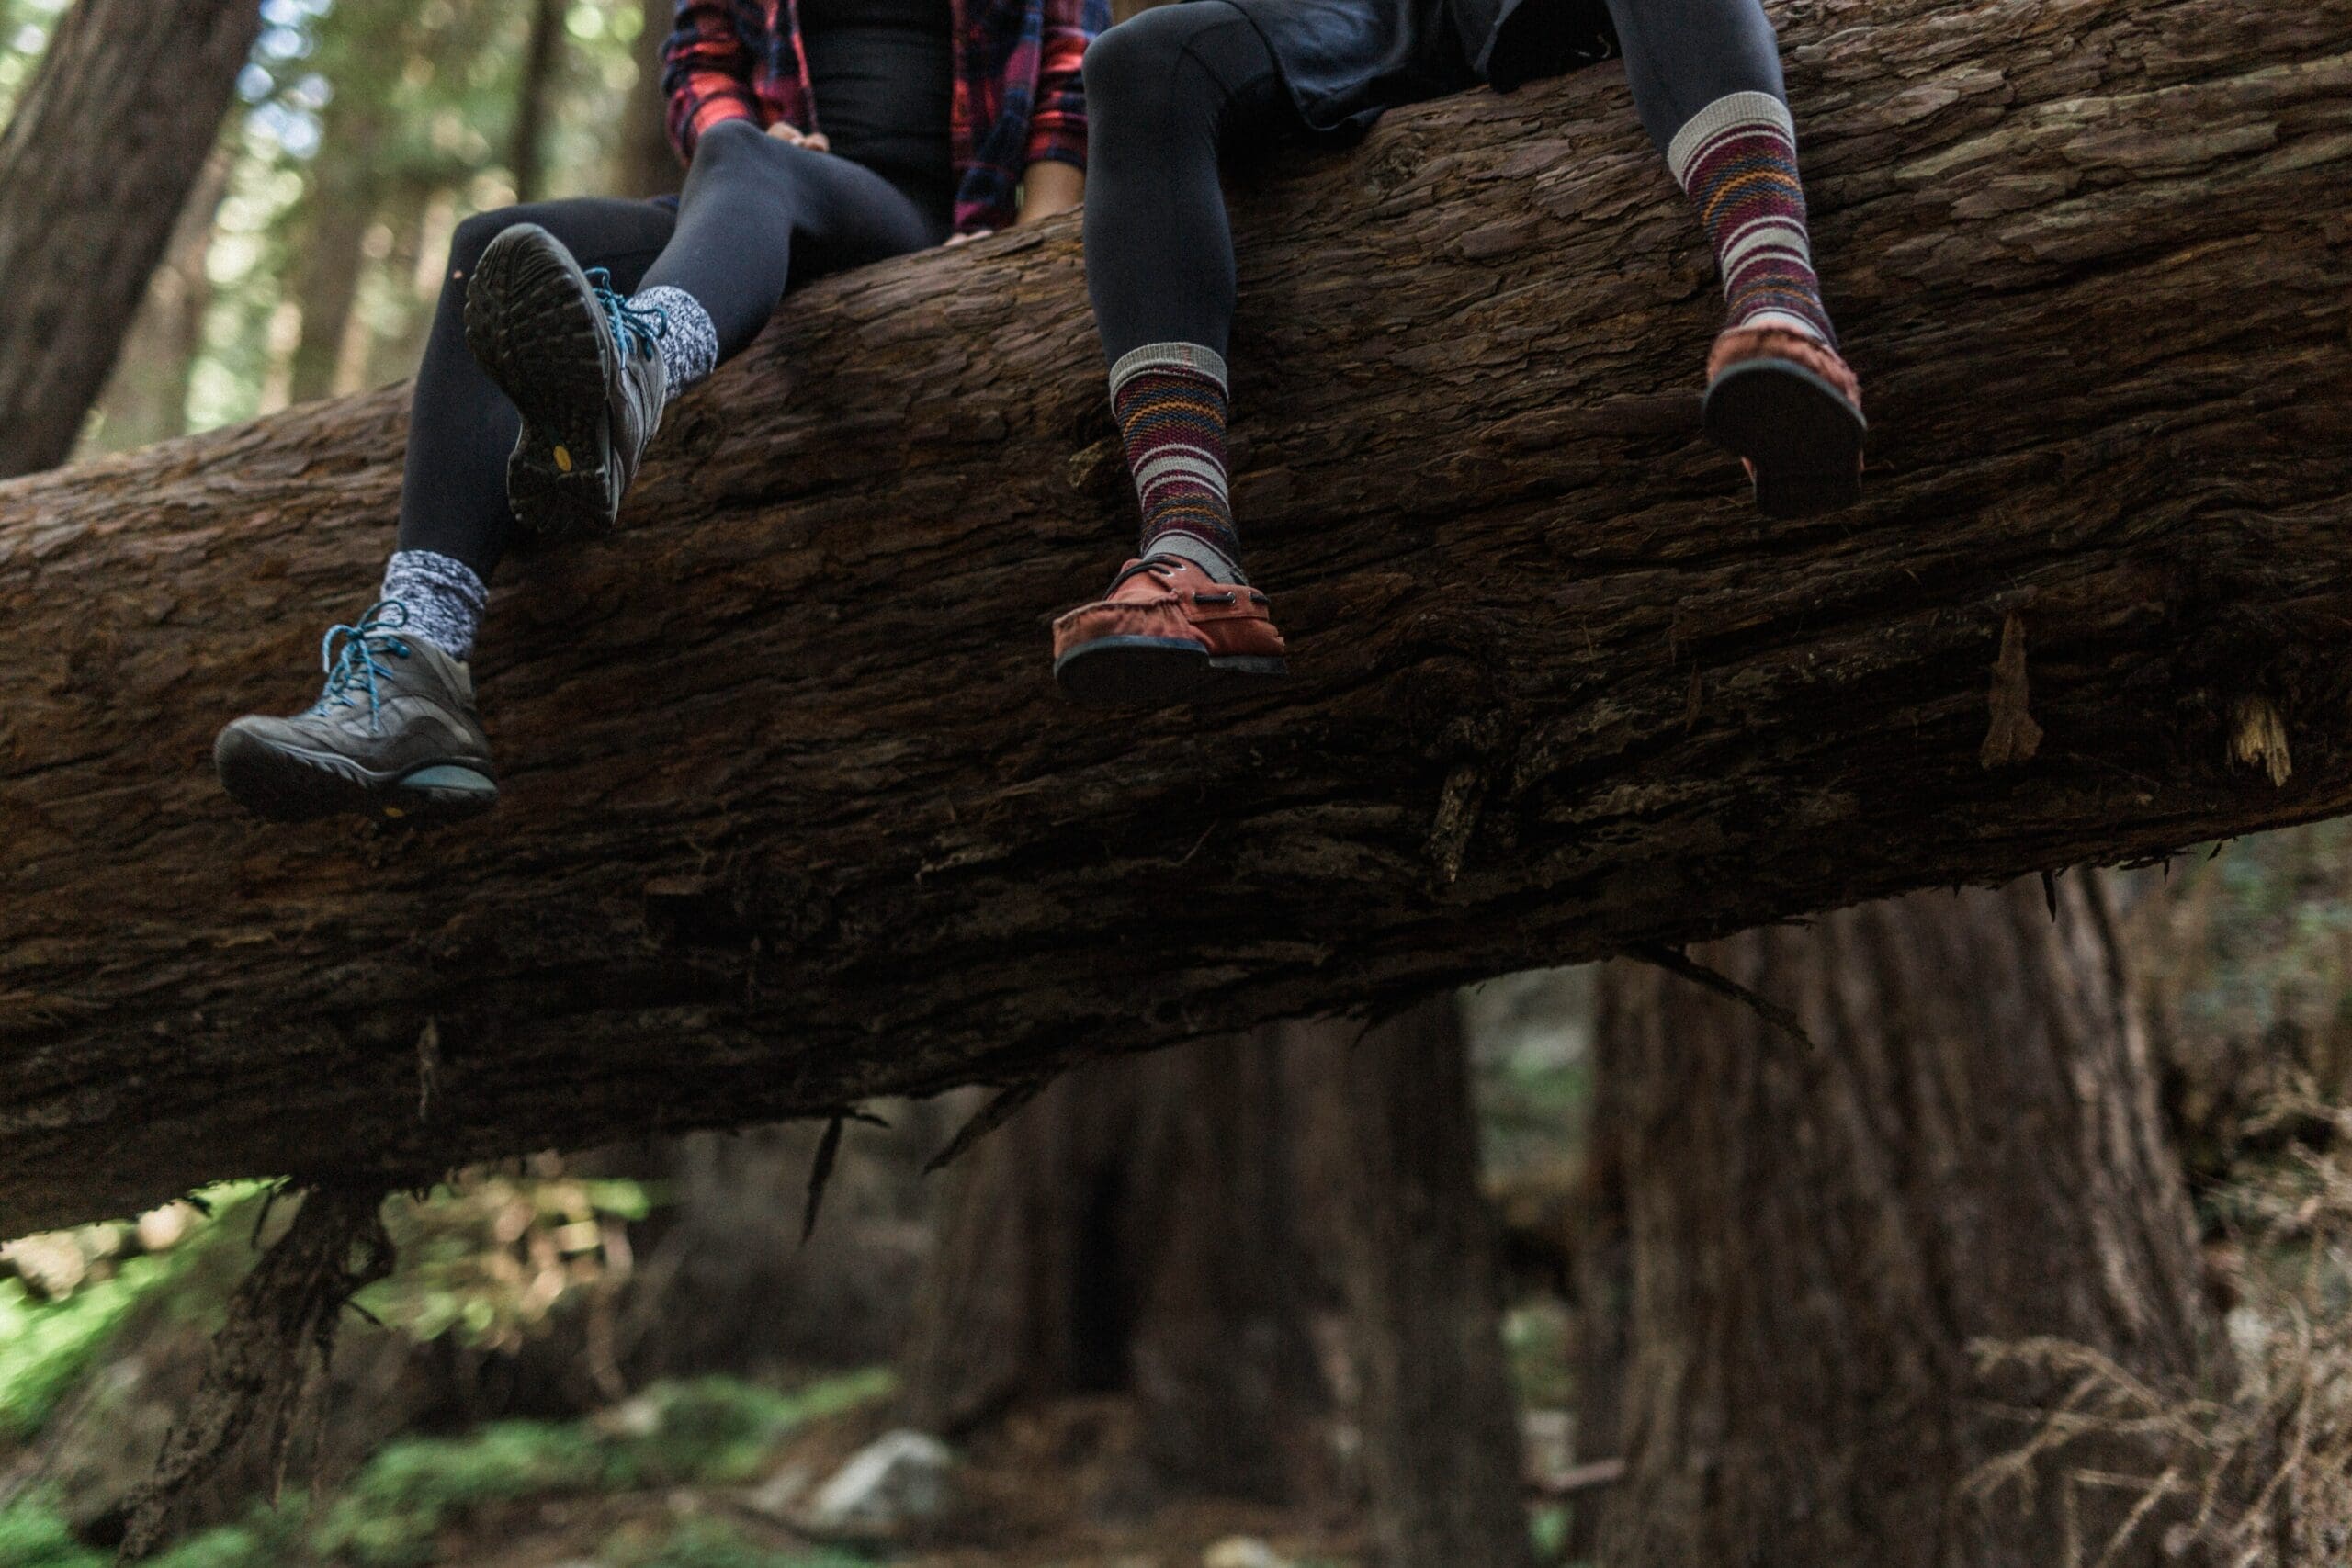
(688, 339)
(443, 596)
(1189, 357)
(1730, 112)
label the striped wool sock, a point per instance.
(1737, 159)
(1168, 399)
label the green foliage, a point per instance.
(269, 1537)
(1548, 1525)
(25, 28)
(1539, 1335)
(488, 1259)
(712, 1431)
(33, 1535)
(2270, 931)
(389, 1515)
(710, 1543)
(47, 1346)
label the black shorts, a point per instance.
(1345, 62)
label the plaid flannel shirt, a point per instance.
(1018, 96)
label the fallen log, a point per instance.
(792, 816)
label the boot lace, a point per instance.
(637, 328)
(348, 656)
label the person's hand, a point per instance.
(955, 240)
(816, 141)
(1048, 186)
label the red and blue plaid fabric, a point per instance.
(1019, 98)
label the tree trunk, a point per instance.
(96, 163)
(1970, 1150)
(146, 396)
(648, 166)
(347, 189)
(1408, 1226)
(541, 55)
(793, 816)
(1134, 1231)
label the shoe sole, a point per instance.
(1145, 671)
(286, 784)
(531, 324)
(1803, 437)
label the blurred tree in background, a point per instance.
(307, 262)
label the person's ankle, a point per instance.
(1218, 564)
(441, 599)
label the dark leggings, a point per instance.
(1176, 88)
(757, 217)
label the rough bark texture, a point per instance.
(1971, 1150)
(1413, 1244)
(96, 164)
(1136, 1230)
(793, 816)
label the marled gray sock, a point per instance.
(443, 596)
(688, 342)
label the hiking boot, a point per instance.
(394, 735)
(1162, 634)
(1792, 410)
(580, 362)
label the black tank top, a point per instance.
(883, 74)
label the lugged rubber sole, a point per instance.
(1803, 437)
(285, 783)
(1145, 671)
(531, 324)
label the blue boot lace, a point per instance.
(348, 656)
(637, 328)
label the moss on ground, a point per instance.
(709, 1432)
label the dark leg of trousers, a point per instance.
(1682, 55)
(757, 216)
(1177, 88)
(1168, 93)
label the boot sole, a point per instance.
(1802, 434)
(531, 324)
(286, 784)
(1145, 671)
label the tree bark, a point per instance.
(1396, 1144)
(1134, 1231)
(97, 161)
(1969, 1150)
(793, 816)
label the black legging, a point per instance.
(1173, 89)
(758, 217)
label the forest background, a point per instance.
(629, 1358)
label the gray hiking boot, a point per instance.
(581, 363)
(393, 735)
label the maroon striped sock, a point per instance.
(1736, 159)
(1169, 400)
